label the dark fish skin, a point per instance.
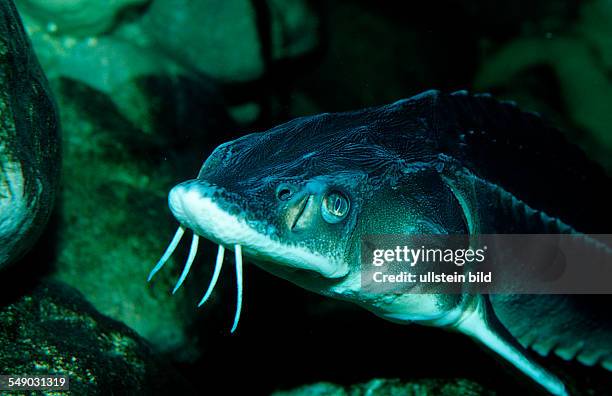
(496, 141)
(524, 155)
(461, 162)
(511, 151)
(29, 141)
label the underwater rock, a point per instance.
(77, 17)
(204, 35)
(53, 330)
(112, 226)
(174, 39)
(109, 62)
(385, 387)
(166, 37)
(29, 141)
(580, 61)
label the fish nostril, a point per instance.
(284, 192)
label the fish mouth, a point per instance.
(199, 206)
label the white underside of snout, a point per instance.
(207, 219)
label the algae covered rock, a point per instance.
(54, 331)
(133, 125)
(230, 42)
(174, 24)
(114, 221)
(29, 141)
(204, 33)
(392, 387)
(126, 39)
(79, 17)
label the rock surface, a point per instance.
(114, 220)
(391, 387)
(79, 17)
(129, 39)
(54, 331)
(29, 141)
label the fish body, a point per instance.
(297, 200)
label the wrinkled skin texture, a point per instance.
(29, 141)
(431, 164)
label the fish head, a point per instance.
(299, 197)
(289, 207)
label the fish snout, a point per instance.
(178, 201)
(186, 199)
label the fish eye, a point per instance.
(284, 192)
(335, 207)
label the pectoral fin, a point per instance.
(481, 324)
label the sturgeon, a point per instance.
(297, 199)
